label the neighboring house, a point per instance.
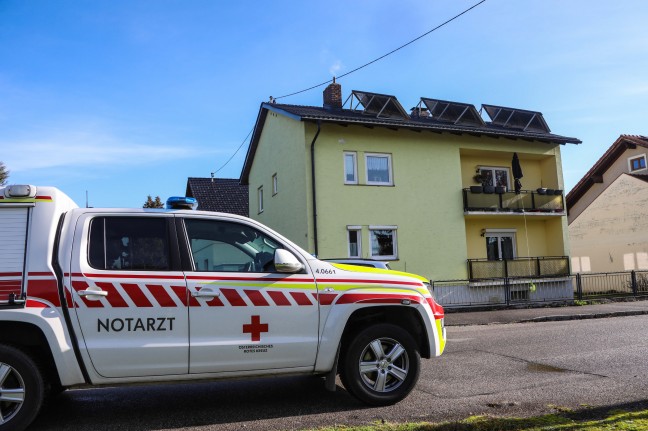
(219, 194)
(373, 181)
(608, 210)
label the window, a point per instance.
(637, 163)
(383, 242)
(355, 241)
(350, 168)
(498, 177)
(274, 184)
(379, 169)
(500, 244)
(219, 246)
(129, 244)
(260, 199)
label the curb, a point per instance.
(584, 316)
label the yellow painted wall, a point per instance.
(535, 238)
(425, 201)
(540, 162)
(434, 237)
(282, 151)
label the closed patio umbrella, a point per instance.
(517, 173)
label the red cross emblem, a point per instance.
(255, 328)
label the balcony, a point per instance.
(548, 266)
(498, 200)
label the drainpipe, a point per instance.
(312, 149)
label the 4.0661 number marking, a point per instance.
(325, 271)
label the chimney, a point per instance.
(333, 96)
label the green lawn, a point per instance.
(627, 418)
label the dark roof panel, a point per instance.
(514, 118)
(348, 116)
(219, 195)
(379, 105)
(453, 112)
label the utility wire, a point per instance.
(352, 71)
(237, 150)
(386, 55)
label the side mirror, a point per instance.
(285, 261)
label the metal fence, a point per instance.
(480, 199)
(610, 284)
(545, 266)
(512, 290)
(502, 291)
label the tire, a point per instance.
(21, 389)
(381, 365)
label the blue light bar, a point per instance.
(181, 203)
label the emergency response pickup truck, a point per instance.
(92, 297)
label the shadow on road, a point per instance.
(154, 407)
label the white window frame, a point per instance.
(358, 230)
(640, 156)
(503, 233)
(275, 187)
(394, 242)
(355, 167)
(499, 168)
(389, 168)
(260, 199)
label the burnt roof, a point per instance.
(351, 116)
(219, 194)
(595, 174)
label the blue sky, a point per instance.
(129, 98)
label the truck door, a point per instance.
(13, 238)
(129, 295)
(244, 315)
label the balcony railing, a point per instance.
(548, 266)
(478, 199)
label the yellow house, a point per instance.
(431, 191)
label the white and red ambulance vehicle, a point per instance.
(101, 296)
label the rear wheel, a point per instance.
(381, 365)
(21, 389)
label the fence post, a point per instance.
(579, 287)
(633, 277)
(507, 291)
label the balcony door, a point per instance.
(500, 245)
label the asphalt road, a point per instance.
(514, 369)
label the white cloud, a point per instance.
(89, 150)
(335, 68)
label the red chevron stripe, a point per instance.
(181, 293)
(301, 298)
(233, 297)
(136, 295)
(114, 297)
(161, 295)
(257, 298)
(279, 298)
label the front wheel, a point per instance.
(21, 389)
(381, 365)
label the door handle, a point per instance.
(205, 293)
(92, 293)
